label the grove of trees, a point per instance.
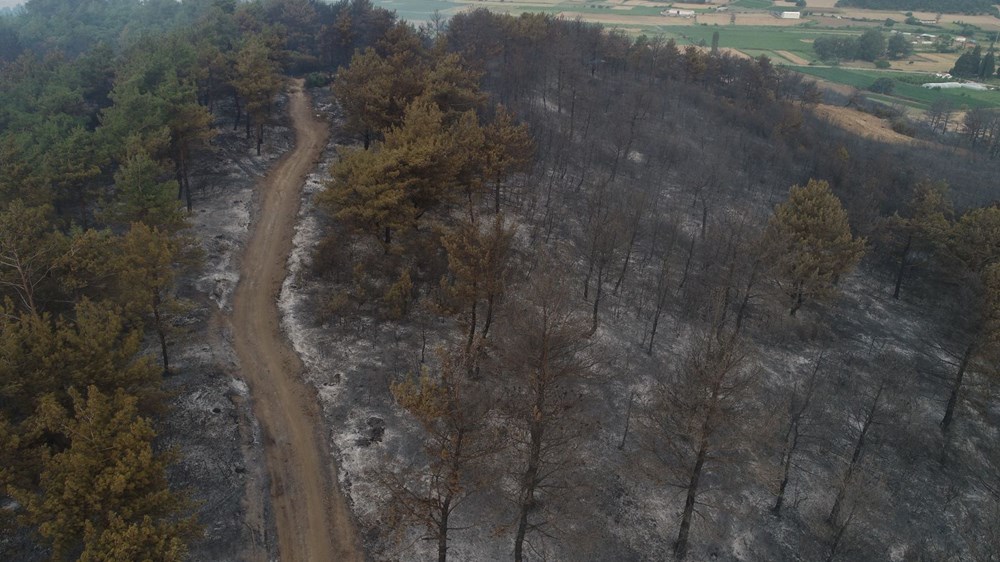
(104, 107)
(869, 46)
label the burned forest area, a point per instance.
(287, 279)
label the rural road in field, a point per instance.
(313, 521)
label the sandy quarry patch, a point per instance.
(792, 57)
(863, 124)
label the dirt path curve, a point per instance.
(313, 521)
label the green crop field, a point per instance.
(416, 10)
(916, 96)
(754, 4)
(753, 40)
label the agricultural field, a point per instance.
(753, 40)
(752, 28)
(907, 89)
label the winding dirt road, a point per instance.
(313, 521)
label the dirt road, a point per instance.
(313, 521)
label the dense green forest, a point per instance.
(103, 106)
(947, 6)
(659, 289)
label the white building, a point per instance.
(791, 15)
(675, 13)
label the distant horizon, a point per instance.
(10, 3)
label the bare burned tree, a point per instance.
(541, 361)
(696, 421)
(860, 503)
(798, 421)
(873, 378)
(455, 414)
(662, 292)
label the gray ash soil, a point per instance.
(210, 422)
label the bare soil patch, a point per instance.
(927, 62)
(792, 57)
(861, 123)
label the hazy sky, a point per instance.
(8, 3)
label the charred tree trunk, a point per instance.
(628, 257)
(161, 332)
(239, 111)
(949, 412)
(792, 438)
(839, 536)
(902, 266)
(597, 295)
(681, 546)
(442, 533)
(472, 326)
(661, 301)
(707, 429)
(797, 304)
(489, 314)
(786, 468)
(444, 513)
(858, 448)
(687, 264)
(590, 270)
(529, 483)
(745, 301)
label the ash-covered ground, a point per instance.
(210, 423)
(908, 505)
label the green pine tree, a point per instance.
(810, 244)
